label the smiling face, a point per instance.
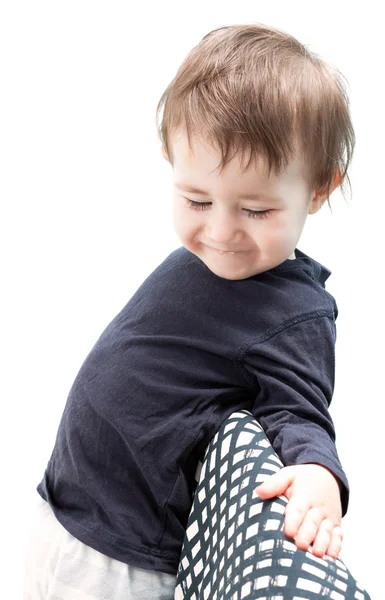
(239, 223)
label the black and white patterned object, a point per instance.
(234, 547)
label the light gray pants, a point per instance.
(60, 567)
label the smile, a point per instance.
(223, 251)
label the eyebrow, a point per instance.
(195, 190)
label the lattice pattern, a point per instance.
(234, 547)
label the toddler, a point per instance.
(258, 133)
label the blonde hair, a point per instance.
(257, 89)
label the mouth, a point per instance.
(225, 251)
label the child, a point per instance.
(237, 318)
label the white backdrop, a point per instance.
(86, 216)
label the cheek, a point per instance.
(177, 221)
(279, 232)
(273, 229)
(177, 213)
(184, 222)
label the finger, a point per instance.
(276, 484)
(308, 529)
(336, 542)
(323, 538)
(296, 510)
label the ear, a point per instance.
(320, 196)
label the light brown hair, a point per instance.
(256, 89)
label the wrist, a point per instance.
(341, 486)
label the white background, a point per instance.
(86, 207)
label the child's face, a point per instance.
(220, 221)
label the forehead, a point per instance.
(200, 161)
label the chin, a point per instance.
(232, 274)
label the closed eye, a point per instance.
(254, 214)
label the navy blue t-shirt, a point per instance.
(187, 350)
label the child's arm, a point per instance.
(313, 513)
(294, 368)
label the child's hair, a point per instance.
(255, 88)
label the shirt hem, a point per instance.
(142, 558)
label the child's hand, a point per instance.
(313, 513)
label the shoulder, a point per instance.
(300, 283)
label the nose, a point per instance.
(223, 228)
